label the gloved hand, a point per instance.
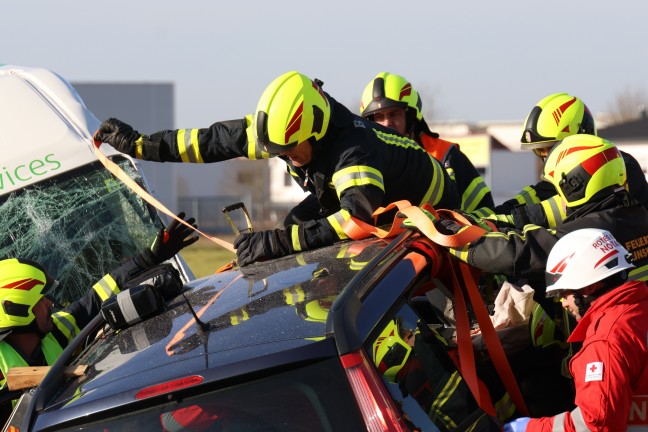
(118, 134)
(447, 226)
(260, 246)
(517, 425)
(171, 240)
(409, 224)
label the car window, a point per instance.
(414, 361)
(79, 225)
(312, 398)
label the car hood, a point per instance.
(248, 315)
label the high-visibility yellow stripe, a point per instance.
(639, 273)
(106, 287)
(294, 236)
(337, 221)
(555, 210)
(188, 148)
(504, 407)
(357, 175)
(444, 395)
(66, 323)
(527, 196)
(139, 147)
(483, 212)
(398, 140)
(435, 191)
(473, 194)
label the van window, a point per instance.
(79, 225)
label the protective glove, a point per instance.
(171, 240)
(409, 224)
(260, 246)
(447, 226)
(119, 135)
(517, 425)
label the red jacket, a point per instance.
(611, 369)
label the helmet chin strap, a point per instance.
(582, 303)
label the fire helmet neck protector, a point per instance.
(584, 257)
(291, 110)
(388, 90)
(580, 166)
(390, 351)
(22, 284)
(555, 117)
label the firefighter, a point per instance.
(390, 100)
(588, 269)
(555, 117)
(590, 176)
(31, 335)
(350, 165)
(417, 360)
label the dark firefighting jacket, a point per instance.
(357, 167)
(523, 253)
(470, 185)
(541, 205)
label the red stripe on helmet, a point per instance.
(405, 91)
(23, 284)
(594, 163)
(560, 267)
(608, 255)
(295, 123)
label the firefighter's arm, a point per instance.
(511, 252)
(220, 141)
(474, 192)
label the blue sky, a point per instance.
(470, 60)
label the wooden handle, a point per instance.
(19, 378)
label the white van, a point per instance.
(59, 206)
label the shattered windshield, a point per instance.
(79, 225)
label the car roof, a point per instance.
(263, 315)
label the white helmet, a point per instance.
(582, 258)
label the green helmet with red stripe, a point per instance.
(581, 166)
(291, 110)
(389, 90)
(555, 117)
(22, 284)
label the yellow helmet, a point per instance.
(390, 351)
(556, 117)
(292, 109)
(22, 284)
(388, 90)
(315, 310)
(580, 166)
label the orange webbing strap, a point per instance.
(121, 175)
(357, 229)
(465, 348)
(426, 226)
(493, 344)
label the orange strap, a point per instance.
(493, 344)
(357, 229)
(121, 175)
(465, 348)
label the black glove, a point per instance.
(260, 246)
(447, 226)
(118, 134)
(171, 240)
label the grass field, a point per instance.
(205, 256)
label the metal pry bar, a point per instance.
(248, 221)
